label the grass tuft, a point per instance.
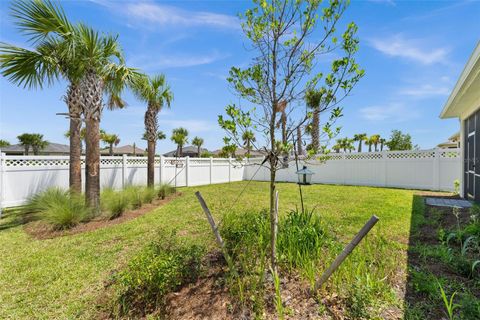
(114, 203)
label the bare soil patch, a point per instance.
(41, 230)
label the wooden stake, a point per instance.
(348, 249)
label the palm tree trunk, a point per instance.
(73, 101)
(151, 163)
(110, 149)
(92, 90)
(26, 147)
(359, 145)
(316, 130)
(181, 150)
(198, 151)
(369, 148)
(299, 141)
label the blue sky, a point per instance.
(412, 52)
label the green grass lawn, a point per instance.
(63, 277)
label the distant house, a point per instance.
(190, 151)
(129, 150)
(241, 152)
(452, 143)
(464, 104)
(54, 149)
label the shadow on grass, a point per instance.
(14, 217)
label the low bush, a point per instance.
(149, 194)
(114, 203)
(164, 190)
(59, 208)
(135, 196)
(160, 268)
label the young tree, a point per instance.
(180, 138)
(110, 140)
(360, 138)
(198, 142)
(287, 39)
(399, 141)
(26, 140)
(4, 143)
(156, 93)
(248, 138)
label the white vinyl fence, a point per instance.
(434, 169)
(23, 176)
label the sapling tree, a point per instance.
(290, 40)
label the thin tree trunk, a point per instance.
(359, 145)
(26, 147)
(316, 130)
(369, 148)
(273, 257)
(110, 149)
(299, 141)
(198, 151)
(151, 163)
(92, 181)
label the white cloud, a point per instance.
(166, 15)
(412, 49)
(426, 90)
(393, 112)
(175, 60)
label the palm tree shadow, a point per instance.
(15, 217)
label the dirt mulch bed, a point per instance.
(40, 230)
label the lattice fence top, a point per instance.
(35, 162)
(420, 154)
(111, 161)
(453, 153)
(364, 156)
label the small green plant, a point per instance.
(278, 295)
(149, 194)
(449, 304)
(164, 190)
(160, 268)
(470, 306)
(456, 186)
(135, 196)
(59, 208)
(114, 203)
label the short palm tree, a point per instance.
(110, 140)
(248, 138)
(313, 98)
(25, 140)
(198, 142)
(360, 138)
(382, 143)
(375, 140)
(38, 143)
(369, 143)
(180, 138)
(157, 94)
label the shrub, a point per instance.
(148, 194)
(135, 196)
(164, 190)
(114, 203)
(59, 208)
(160, 268)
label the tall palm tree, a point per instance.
(156, 93)
(38, 143)
(53, 56)
(382, 143)
(160, 135)
(198, 142)
(313, 98)
(360, 138)
(26, 140)
(248, 137)
(375, 140)
(180, 138)
(110, 140)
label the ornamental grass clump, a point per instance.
(114, 203)
(149, 194)
(59, 208)
(135, 196)
(164, 190)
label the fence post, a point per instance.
(229, 169)
(344, 171)
(436, 169)
(2, 180)
(124, 170)
(187, 169)
(161, 169)
(384, 171)
(211, 169)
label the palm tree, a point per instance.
(53, 56)
(4, 143)
(382, 143)
(83, 133)
(156, 93)
(360, 138)
(111, 140)
(160, 135)
(180, 138)
(313, 99)
(26, 140)
(299, 141)
(375, 140)
(248, 137)
(197, 142)
(337, 147)
(369, 143)
(38, 143)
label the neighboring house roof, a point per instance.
(127, 149)
(465, 97)
(187, 150)
(455, 137)
(453, 142)
(51, 148)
